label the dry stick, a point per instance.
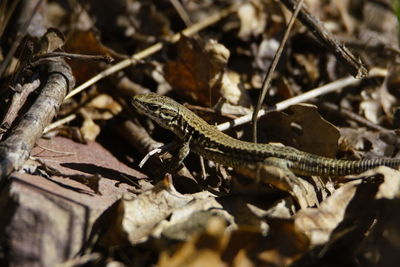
(59, 123)
(153, 49)
(6, 14)
(18, 39)
(106, 59)
(182, 12)
(62, 153)
(352, 64)
(16, 148)
(271, 70)
(18, 100)
(325, 89)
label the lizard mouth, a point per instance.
(138, 105)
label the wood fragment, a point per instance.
(16, 148)
(353, 65)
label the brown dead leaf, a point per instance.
(85, 42)
(104, 101)
(289, 244)
(389, 91)
(85, 167)
(390, 188)
(341, 214)
(303, 128)
(198, 72)
(276, 173)
(219, 247)
(192, 218)
(51, 41)
(202, 250)
(370, 106)
(319, 223)
(349, 22)
(371, 142)
(136, 217)
(265, 53)
(310, 64)
(102, 107)
(89, 129)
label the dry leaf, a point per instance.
(199, 73)
(303, 128)
(370, 106)
(192, 218)
(51, 41)
(310, 64)
(252, 19)
(137, 217)
(277, 174)
(85, 43)
(347, 206)
(203, 250)
(371, 142)
(319, 223)
(89, 129)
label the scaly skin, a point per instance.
(209, 142)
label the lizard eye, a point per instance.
(153, 107)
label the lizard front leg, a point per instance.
(174, 163)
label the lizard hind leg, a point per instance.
(275, 171)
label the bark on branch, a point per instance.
(15, 150)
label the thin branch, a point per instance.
(6, 12)
(351, 63)
(271, 70)
(59, 123)
(18, 100)
(182, 12)
(106, 59)
(325, 89)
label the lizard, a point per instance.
(198, 136)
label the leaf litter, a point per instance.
(210, 214)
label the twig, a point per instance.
(6, 14)
(203, 168)
(182, 12)
(152, 49)
(106, 59)
(63, 153)
(59, 123)
(271, 70)
(16, 148)
(209, 110)
(325, 89)
(351, 63)
(18, 100)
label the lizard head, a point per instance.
(163, 110)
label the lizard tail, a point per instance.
(322, 166)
